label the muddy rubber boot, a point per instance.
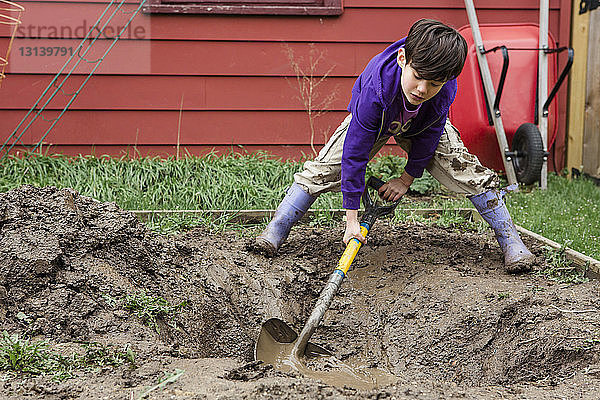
(490, 204)
(293, 206)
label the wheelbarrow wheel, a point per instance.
(528, 148)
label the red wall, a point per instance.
(231, 73)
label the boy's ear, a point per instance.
(401, 58)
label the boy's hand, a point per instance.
(353, 227)
(394, 189)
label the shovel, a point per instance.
(277, 332)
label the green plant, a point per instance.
(100, 355)
(425, 185)
(322, 218)
(450, 218)
(391, 166)
(151, 308)
(429, 259)
(502, 296)
(22, 355)
(559, 268)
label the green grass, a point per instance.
(210, 182)
(559, 268)
(22, 356)
(566, 213)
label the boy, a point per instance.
(404, 92)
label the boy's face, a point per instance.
(416, 89)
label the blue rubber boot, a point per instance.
(490, 204)
(293, 206)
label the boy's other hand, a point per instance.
(394, 189)
(353, 227)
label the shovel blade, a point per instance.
(276, 340)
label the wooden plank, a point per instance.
(355, 25)
(177, 57)
(214, 93)
(577, 89)
(257, 216)
(591, 135)
(582, 261)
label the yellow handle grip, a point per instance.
(351, 250)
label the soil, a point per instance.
(432, 306)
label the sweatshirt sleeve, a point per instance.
(360, 138)
(423, 147)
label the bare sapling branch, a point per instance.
(307, 85)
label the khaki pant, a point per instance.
(452, 164)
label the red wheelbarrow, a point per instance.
(497, 101)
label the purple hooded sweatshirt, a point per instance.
(377, 101)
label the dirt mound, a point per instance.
(63, 257)
(432, 306)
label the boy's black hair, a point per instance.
(434, 50)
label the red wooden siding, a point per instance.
(197, 127)
(232, 71)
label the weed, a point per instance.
(390, 166)
(409, 216)
(100, 355)
(168, 377)
(172, 224)
(591, 342)
(20, 355)
(151, 308)
(111, 301)
(322, 218)
(425, 185)
(450, 218)
(502, 296)
(559, 268)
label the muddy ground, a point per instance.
(432, 306)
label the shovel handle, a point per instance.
(372, 211)
(331, 288)
(350, 252)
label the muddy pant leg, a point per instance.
(454, 167)
(460, 171)
(324, 173)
